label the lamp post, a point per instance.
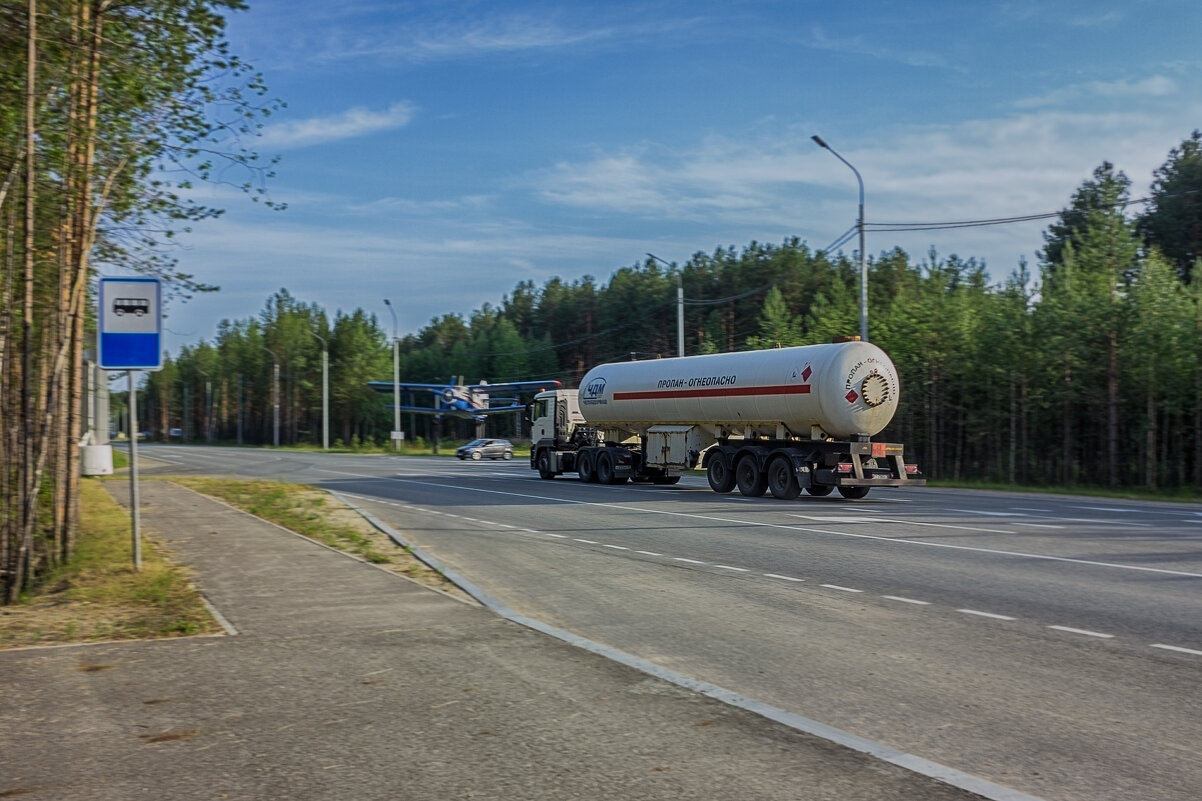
(208, 411)
(679, 305)
(863, 255)
(275, 397)
(396, 380)
(325, 392)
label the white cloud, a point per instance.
(979, 169)
(460, 38)
(1155, 86)
(347, 125)
(858, 45)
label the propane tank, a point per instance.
(834, 390)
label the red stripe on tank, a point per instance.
(719, 392)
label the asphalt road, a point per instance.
(1052, 644)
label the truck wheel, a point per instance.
(719, 474)
(751, 479)
(605, 469)
(544, 466)
(585, 467)
(782, 480)
(853, 493)
(820, 491)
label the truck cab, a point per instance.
(554, 415)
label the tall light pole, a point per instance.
(208, 413)
(396, 380)
(275, 397)
(679, 305)
(863, 254)
(325, 393)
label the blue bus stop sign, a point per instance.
(130, 324)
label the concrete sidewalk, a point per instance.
(348, 682)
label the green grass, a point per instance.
(98, 595)
(294, 506)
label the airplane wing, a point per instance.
(516, 386)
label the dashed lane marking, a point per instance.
(992, 615)
(733, 568)
(1176, 648)
(1086, 632)
(763, 524)
(914, 601)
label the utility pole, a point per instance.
(325, 392)
(679, 305)
(396, 381)
(275, 397)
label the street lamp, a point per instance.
(208, 411)
(275, 397)
(396, 381)
(679, 305)
(325, 393)
(863, 254)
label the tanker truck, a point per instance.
(781, 420)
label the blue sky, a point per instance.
(436, 153)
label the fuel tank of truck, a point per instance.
(842, 388)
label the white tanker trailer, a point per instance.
(783, 420)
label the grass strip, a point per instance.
(98, 595)
(295, 507)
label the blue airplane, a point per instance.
(464, 401)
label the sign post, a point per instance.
(129, 337)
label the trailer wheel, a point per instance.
(853, 493)
(544, 466)
(752, 481)
(719, 474)
(820, 490)
(586, 468)
(782, 480)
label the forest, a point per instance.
(109, 112)
(1083, 370)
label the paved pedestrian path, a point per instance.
(344, 681)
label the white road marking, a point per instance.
(1037, 525)
(1177, 648)
(737, 569)
(649, 553)
(907, 600)
(838, 519)
(884, 520)
(1086, 632)
(987, 514)
(985, 614)
(1107, 509)
(808, 530)
(588, 542)
(556, 536)
(690, 561)
(786, 578)
(837, 587)
(615, 547)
